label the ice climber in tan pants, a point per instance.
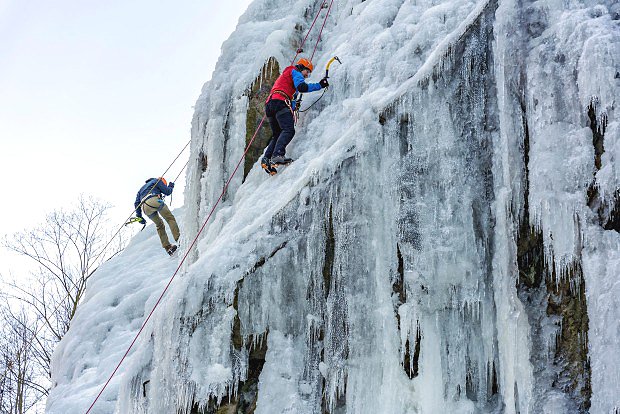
(150, 199)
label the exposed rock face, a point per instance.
(258, 93)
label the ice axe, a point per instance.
(335, 58)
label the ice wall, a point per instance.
(446, 240)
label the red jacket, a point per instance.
(285, 84)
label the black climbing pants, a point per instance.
(282, 125)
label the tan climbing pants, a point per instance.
(150, 207)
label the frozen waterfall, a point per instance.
(447, 239)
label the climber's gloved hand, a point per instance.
(323, 82)
(171, 185)
(142, 221)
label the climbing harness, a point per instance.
(335, 58)
(160, 201)
(287, 101)
(282, 93)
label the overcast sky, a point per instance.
(97, 96)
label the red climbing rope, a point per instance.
(322, 27)
(208, 217)
(300, 49)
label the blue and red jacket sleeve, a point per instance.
(300, 83)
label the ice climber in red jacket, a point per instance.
(280, 111)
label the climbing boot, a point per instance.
(266, 164)
(170, 249)
(280, 160)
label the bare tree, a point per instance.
(66, 250)
(20, 388)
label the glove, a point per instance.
(323, 82)
(142, 221)
(171, 185)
